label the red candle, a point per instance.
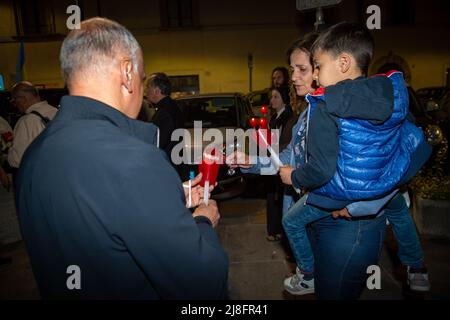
(263, 123)
(263, 109)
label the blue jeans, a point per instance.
(343, 250)
(294, 223)
(409, 249)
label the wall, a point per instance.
(229, 30)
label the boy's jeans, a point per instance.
(294, 223)
(298, 216)
(409, 248)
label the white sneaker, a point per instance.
(296, 285)
(418, 281)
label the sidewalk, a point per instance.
(258, 267)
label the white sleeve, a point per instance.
(25, 131)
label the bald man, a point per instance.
(96, 196)
(25, 98)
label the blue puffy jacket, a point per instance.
(373, 157)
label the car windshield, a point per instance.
(213, 111)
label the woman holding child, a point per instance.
(343, 249)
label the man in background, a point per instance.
(37, 114)
(168, 116)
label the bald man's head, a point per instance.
(94, 47)
(103, 61)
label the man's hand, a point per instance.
(341, 213)
(197, 191)
(238, 159)
(285, 174)
(211, 212)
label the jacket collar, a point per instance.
(84, 108)
(36, 106)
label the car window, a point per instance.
(213, 111)
(243, 111)
(249, 108)
(259, 99)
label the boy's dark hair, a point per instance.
(162, 81)
(305, 44)
(352, 38)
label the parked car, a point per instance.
(220, 111)
(434, 179)
(258, 99)
(431, 96)
(430, 118)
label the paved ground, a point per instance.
(258, 267)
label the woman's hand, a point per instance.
(238, 159)
(285, 174)
(197, 191)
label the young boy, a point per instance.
(360, 148)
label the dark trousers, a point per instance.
(274, 188)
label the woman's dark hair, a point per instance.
(284, 93)
(305, 44)
(285, 73)
(349, 37)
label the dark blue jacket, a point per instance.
(94, 191)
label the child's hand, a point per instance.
(285, 174)
(341, 213)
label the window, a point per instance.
(178, 13)
(34, 17)
(185, 84)
(220, 111)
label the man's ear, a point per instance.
(126, 68)
(345, 62)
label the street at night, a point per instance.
(228, 151)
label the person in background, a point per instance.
(5, 180)
(283, 120)
(6, 137)
(36, 115)
(168, 116)
(280, 77)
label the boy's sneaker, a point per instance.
(297, 285)
(418, 279)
